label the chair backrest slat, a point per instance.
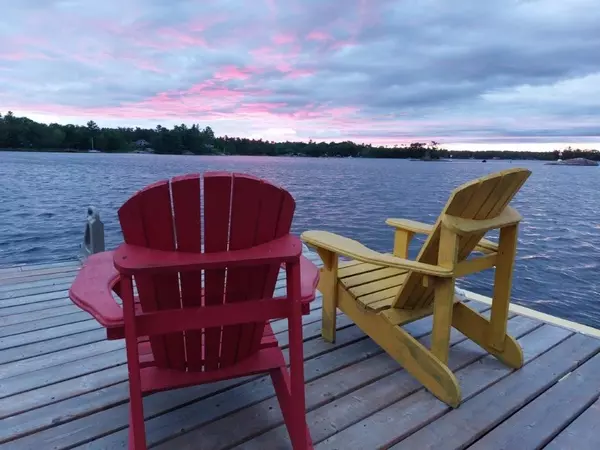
(276, 211)
(217, 208)
(187, 204)
(240, 212)
(484, 198)
(245, 210)
(136, 217)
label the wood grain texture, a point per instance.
(55, 331)
(51, 345)
(94, 398)
(539, 421)
(336, 401)
(396, 420)
(358, 406)
(185, 409)
(35, 298)
(351, 387)
(489, 407)
(107, 377)
(582, 433)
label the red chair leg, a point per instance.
(137, 432)
(281, 382)
(299, 431)
(297, 411)
(298, 428)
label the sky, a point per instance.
(470, 74)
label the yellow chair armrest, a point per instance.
(484, 246)
(355, 250)
(410, 225)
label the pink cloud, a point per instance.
(231, 73)
(318, 36)
(283, 67)
(269, 57)
(148, 65)
(258, 108)
(172, 39)
(283, 38)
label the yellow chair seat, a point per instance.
(374, 287)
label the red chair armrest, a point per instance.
(95, 282)
(132, 259)
(309, 279)
(92, 290)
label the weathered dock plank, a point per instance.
(546, 416)
(354, 407)
(63, 385)
(254, 419)
(462, 426)
(25, 268)
(47, 333)
(581, 434)
(27, 291)
(188, 408)
(30, 307)
(63, 343)
(35, 298)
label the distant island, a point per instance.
(573, 162)
(22, 133)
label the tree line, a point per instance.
(22, 133)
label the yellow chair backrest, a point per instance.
(480, 199)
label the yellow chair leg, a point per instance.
(507, 248)
(444, 297)
(442, 319)
(328, 287)
(406, 350)
(478, 329)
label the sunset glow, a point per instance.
(516, 75)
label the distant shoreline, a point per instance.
(523, 156)
(24, 134)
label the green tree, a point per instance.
(21, 132)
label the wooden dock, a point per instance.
(64, 386)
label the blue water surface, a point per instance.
(44, 197)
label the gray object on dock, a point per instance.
(93, 238)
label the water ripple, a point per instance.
(45, 196)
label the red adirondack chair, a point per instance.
(205, 285)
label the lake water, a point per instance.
(44, 197)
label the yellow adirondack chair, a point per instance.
(381, 292)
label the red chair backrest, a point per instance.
(212, 213)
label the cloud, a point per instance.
(382, 71)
